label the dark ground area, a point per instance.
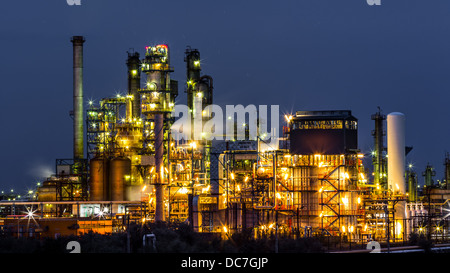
(180, 238)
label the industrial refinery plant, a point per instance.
(127, 166)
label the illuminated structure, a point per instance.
(313, 184)
(378, 153)
(328, 177)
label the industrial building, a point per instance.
(127, 166)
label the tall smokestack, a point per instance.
(78, 128)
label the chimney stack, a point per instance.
(78, 128)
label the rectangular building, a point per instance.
(323, 132)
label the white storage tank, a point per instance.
(396, 152)
(396, 162)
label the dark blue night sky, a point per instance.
(300, 54)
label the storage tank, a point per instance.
(396, 152)
(119, 175)
(396, 161)
(98, 181)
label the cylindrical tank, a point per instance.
(119, 175)
(396, 158)
(98, 181)
(396, 151)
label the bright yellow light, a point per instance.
(143, 188)
(225, 229)
(184, 190)
(288, 118)
(350, 229)
(205, 190)
(196, 62)
(398, 228)
(193, 145)
(246, 179)
(359, 200)
(345, 200)
(321, 189)
(232, 176)
(343, 228)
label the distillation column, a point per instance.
(379, 163)
(157, 101)
(134, 83)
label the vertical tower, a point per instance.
(134, 82)
(78, 128)
(199, 88)
(429, 173)
(379, 163)
(396, 152)
(396, 165)
(412, 185)
(157, 100)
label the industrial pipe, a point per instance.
(159, 152)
